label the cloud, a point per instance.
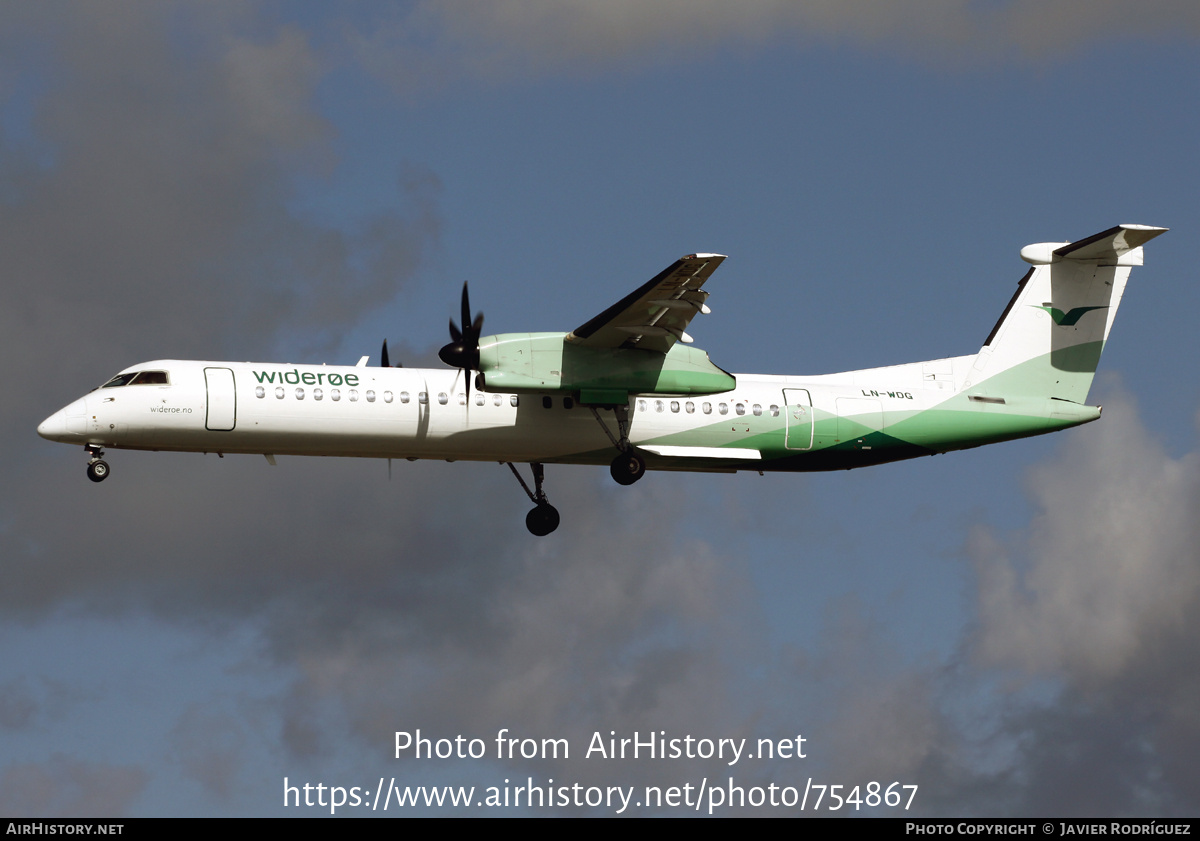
(420, 602)
(1087, 622)
(148, 162)
(506, 39)
(1112, 568)
(67, 787)
(209, 748)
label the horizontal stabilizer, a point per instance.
(1110, 244)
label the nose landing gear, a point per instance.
(97, 469)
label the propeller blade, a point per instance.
(466, 308)
(383, 356)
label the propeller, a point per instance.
(463, 350)
(383, 358)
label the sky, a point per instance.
(1009, 629)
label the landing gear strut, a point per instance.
(97, 469)
(543, 518)
(629, 466)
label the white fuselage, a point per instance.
(425, 413)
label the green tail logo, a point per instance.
(1068, 319)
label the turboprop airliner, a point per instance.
(628, 388)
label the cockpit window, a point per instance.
(151, 378)
(138, 378)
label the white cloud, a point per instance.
(1111, 561)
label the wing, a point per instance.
(654, 316)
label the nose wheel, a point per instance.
(543, 518)
(97, 469)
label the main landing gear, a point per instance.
(97, 469)
(544, 518)
(628, 466)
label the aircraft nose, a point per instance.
(54, 427)
(67, 424)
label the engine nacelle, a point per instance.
(547, 363)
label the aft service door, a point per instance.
(222, 400)
(799, 435)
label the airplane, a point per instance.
(629, 389)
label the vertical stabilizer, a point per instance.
(1047, 342)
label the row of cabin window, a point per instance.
(690, 407)
(335, 395)
(443, 398)
(707, 408)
